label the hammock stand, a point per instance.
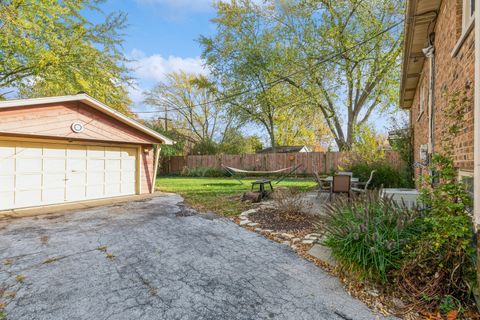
(234, 172)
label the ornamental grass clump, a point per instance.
(367, 235)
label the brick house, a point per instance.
(441, 63)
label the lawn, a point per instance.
(221, 195)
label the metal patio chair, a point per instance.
(362, 187)
(341, 184)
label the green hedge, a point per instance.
(203, 172)
(385, 175)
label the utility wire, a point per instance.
(279, 106)
(283, 78)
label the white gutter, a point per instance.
(476, 120)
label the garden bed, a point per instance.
(270, 218)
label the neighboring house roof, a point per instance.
(286, 149)
(82, 97)
(420, 19)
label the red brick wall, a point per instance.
(452, 73)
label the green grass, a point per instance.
(221, 195)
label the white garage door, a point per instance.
(33, 174)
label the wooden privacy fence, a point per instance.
(323, 162)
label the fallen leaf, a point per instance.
(452, 315)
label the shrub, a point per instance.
(203, 172)
(385, 175)
(441, 261)
(367, 236)
(289, 201)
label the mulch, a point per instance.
(274, 220)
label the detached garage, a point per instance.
(72, 148)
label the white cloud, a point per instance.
(191, 5)
(155, 67)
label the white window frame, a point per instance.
(468, 19)
(465, 174)
(468, 14)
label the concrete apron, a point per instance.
(71, 206)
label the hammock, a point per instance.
(235, 171)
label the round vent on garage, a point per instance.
(77, 127)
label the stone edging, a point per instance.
(282, 237)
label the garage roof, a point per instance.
(85, 98)
(419, 22)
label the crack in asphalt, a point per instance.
(168, 262)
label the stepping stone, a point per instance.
(316, 235)
(246, 213)
(253, 224)
(307, 241)
(288, 235)
(322, 253)
(244, 222)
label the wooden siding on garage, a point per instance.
(147, 179)
(54, 120)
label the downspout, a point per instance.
(476, 140)
(476, 120)
(155, 168)
(430, 54)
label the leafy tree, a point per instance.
(340, 58)
(254, 144)
(181, 141)
(191, 101)
(50, 48)
(361, 75)
(205, 146)
(234, 142)
(244, 55)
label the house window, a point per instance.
(466, 177)
(468, 13)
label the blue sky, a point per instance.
(162, 37)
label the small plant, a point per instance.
(289, 201)
(367, 236)
(152, 291)
(447, 304)
(3, 315)
(102, 248)
(20, 278)
(8, 262)
(52, 259)
(110, 256)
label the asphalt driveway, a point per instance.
(155, 259)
